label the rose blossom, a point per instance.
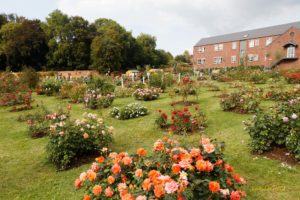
(171, 187)
(285, 119)
(294, 116)
(141, 198)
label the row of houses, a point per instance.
(274, 46)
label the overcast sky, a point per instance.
(177, 24)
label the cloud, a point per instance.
(179, 24)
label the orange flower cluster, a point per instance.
(172, 172)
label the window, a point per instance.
(233, 45)
(201, 61)
(218, 47)
(268, 41)
(291, 52)
(233, 59)
(253, 43)
(252, 57)
(201, 49)
(218, 60)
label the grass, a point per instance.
(26, 174)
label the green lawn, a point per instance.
(25, 173)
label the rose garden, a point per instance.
(217, 134)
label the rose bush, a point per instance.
(147, 94)
(172, 172)
(279, 126)
(93, 99)
(133, 110)
(182, 121)
(70, 140)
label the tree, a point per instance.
(23, 44)
(69, 41)
(113, 48)
(147, 53)
(184, 58)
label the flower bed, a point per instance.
(242, 101)
(172, 172)
(279, 126)
(147, 94)
(278, 94)
(49, 87)
(182, 121)
(133, 110)
(70, 140)
(94, 100)
(16, 98)
(292, 77)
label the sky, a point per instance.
(177, 24)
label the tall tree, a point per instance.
(147, 52)
(69, 41)
(23, 44)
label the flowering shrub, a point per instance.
(147, 94)
(182, 121)
(64, 91)
(292, 77)
(172, 172)
(77, 93)
(278, 127)
(242, 101)
(187, 87)
(124, 92)
(70, 140)
(39, 123)
(94, 100)
(49, 87)
(278, 94)
(16, 98)
(133, 110)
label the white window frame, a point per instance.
(233, 59)
(290, 52)
(217, 60)
(218, 47)
(201, 49)
(256, 42)
(252, 57)
(269, 41)
(251, 43)
(201, 61)
(234, 45)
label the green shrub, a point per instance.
(71, 140)
(133, 110)
(101, 85)
(279, 126)
(94, 100)
(29, 77)
(123, 92)
(49, 87)
(77, 93)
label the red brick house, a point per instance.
(274, 46)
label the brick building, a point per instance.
(274, 46)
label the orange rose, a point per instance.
(77, 183)
(111, 180)
(139, 173)
(141, 152)
(100, 159)
(109, 192)
(86, 197)
(147, 184)
(91, 175)
(128, 197)
(176, 168)
(97, 189)
(159, 191)
(214, 186)
(219, 162)
(159, 146)
(127, 160)
(209, 148)
(116, 169)
(153, 175)
(85, 136)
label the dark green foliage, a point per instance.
(29, 77)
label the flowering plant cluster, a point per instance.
(70, 140)
(172, 172)
(16, 98)
(133, 110)
(292, 77)
(94, 100)
(182, 121)
(147, 94)
(77, 92)
(278, 94)
(49, 87)
(242, 101)
(39, 123)
(280, 126)
(186, 88)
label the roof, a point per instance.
(250, 34)
(289, 43)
